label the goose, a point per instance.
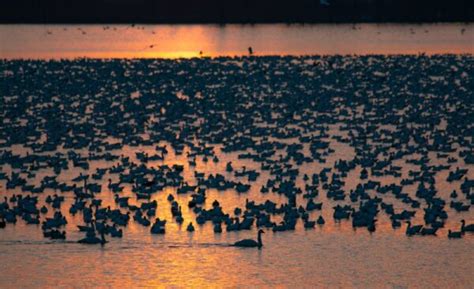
(468, 228)
(396, 224)
(158, 227)
(309, 224)
(320, 220)
(190, 227)
(428, 231)
(218, 228)
(454, 195)
(55, 234)
(454, 235)
(44, 210)
(179, 219)
(249, 243)
(116, 233)
(412, 230)
(371, 226)
(92, 239)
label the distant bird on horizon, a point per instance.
(250, 50)
(200, 53)
(151, 46)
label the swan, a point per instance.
(248, 243)
(468, 228)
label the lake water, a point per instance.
(330, 256)
(172, 41)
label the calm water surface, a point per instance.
(331, 256)
(171, 41)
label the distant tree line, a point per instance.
(237, 11)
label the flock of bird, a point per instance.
(407, 119)
(201, 53)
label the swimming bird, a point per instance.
(249, 243)
(428, 231)
(412, 230)
(92, 239)
(454, 235)
(468, 228)
(190, 227)
(320, 220)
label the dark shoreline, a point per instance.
(227, 57)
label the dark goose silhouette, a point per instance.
(249, 243)
(466, 228)
(454, 235)
(92, 239)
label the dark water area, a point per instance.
(365, 143)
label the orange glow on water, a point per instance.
(185, 41)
